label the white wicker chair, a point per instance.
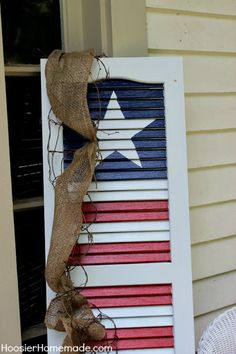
(220, 335)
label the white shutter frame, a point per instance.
(150, 70)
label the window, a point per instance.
(31, 30)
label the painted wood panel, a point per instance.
(211, 148)
(190, 32)
(217, 7)
(212, 185)
(222, 258)
(106, 263)
(210, 112)
(207, 296)
(207, 73)
(213, 222)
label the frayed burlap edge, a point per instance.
(67, 77)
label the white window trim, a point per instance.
(105, 25)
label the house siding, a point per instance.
(203, 33)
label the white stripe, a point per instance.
(145, 351)
(129, 226)
(115, 144)
(155, 184)
(122, 123)
(139, 322)
(116, 134)
(136, 311)
(123, 274)
(125, 237)
(126, 195)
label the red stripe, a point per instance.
(139, 338)
(157, 205)
(129, 247)
(139, 343)
(125, 211)
(147, 332)
(132, 301)
(128, 290)
(144, 343)
(125, 216)
(135, 295)
(119, 259)
(117, 253)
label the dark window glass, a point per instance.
(31, 29)
(25, 135)
(29, 229)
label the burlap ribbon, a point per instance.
(67, 77)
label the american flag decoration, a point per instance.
(138, 267)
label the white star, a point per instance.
(104, 134)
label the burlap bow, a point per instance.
(67, 77)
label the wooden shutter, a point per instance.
(139, 268)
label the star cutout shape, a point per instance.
(103, 133)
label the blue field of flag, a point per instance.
(126, 153)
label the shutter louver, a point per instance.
(139, 260)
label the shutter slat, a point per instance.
(138, 186)
(116, 237)
(144, 343)
(126, 104)
(123, 124)
(125, 216)
(158, 321)
(121, 248)
(127, 165)
(120, 83)
(134, 93)
(129, 114)
(144, 155)
(155, 332)
(129, 226)
(113, 134)
(132, 301)
(128, 206)
(128, 290)
(116, 176)
(119, 259)
(126, 195)
(164, 309)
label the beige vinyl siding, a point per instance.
(203, 33)
(211, 7)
